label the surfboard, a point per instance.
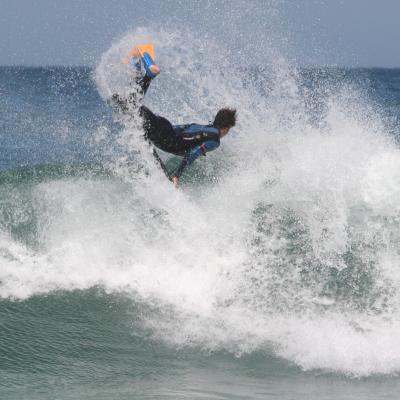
(161, 164)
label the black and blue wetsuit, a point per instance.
(189, 141)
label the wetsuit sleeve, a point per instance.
(193, 153)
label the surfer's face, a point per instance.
(223, 131)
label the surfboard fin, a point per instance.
(161, 164)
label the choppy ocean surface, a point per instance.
(272, 273)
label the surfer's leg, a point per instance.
(140, 86)
(118, 104)
(158, 130)
(141, 56)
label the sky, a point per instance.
(309, 32)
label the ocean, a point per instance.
(273, 272)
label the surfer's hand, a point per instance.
(175, 181)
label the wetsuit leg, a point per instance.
(141, 85)
(157, 129)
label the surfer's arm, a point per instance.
(192, 154)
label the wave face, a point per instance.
(284, 242)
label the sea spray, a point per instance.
(288, 247)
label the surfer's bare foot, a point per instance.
(155, 69)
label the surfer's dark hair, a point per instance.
(225, 118)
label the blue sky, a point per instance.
(310, 32)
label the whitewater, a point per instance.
(282, 245)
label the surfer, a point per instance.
(189, 140)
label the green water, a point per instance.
(90, 345)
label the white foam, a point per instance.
(220, 263)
